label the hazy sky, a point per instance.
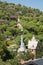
(30, 3)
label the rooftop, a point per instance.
(32, 44)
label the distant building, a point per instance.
(13, 18)
(19, 25)
(33, 45)
(22, 46)
(4, 21)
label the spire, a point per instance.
(22, 43)
(32, 44)
(18, 19)
(33, 38)
(19, 25)
(22, 46)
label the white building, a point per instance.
(19, 24)
(22, 46)
(32, 44)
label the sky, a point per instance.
(38, 4)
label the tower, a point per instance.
(22, 46)
(33, 46)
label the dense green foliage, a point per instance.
(32, 21)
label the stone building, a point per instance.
(22, 46)
(33, 45)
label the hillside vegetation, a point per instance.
(32, 22)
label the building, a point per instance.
(13, 18)
(33, 45)
(22, 46)
(19, 25)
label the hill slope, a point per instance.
(31, 19)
